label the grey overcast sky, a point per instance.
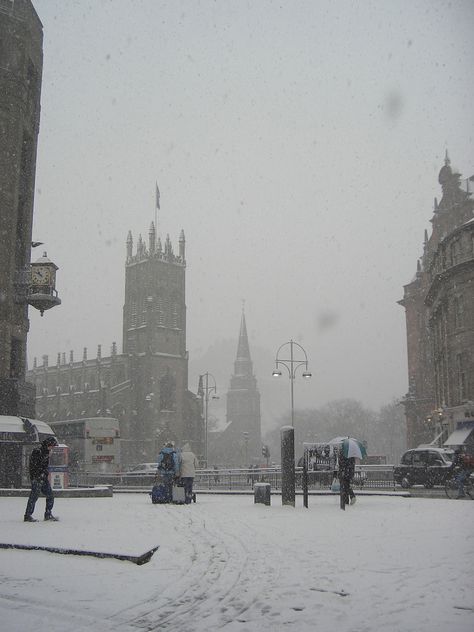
(297, 143)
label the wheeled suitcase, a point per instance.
(159, 495)
(178, 495)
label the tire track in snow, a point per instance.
(221, 583)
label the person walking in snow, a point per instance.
(39, 471)
(187, 471)
(462, 470)
(168, 465)
(345, 475)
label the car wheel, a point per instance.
(405, 483)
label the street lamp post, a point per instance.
(204, 391)
(246, 442)
(298, 358)
(292, 364)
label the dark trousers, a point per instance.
(40, 486)
(188, 488)
(346, 489)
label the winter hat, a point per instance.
(49, 441)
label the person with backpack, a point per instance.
(39, 472)
(168, 465)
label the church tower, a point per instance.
(243, 432)
(154, 339)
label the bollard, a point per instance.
(262, 493)
(288, 465)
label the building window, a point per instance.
(167, 311)
(133, 313)
(458, 312)
(160, 313)
(175, 315)
(143, 314)
(455, 252)
(461, 367)
(167, 391)
(131, 347)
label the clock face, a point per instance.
(40, 275)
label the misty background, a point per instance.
(298, 145)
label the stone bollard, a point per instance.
(262, 493)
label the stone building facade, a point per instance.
(21, 66)
(146, 386)
(439, 308)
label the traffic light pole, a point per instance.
(266, 452)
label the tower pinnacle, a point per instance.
(243, 350)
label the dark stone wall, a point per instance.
(21, 64)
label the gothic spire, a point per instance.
(182, 245)
(129, 245)
(243, 361)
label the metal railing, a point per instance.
(242, 479)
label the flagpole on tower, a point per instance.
(157, 205)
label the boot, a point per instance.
(29, 519)
(49, 516)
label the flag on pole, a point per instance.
(157, 196)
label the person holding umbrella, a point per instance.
(345, 475)
(348, 450)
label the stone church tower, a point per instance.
(154, 336)
(243, 437)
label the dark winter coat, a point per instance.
(346, 467)
(39, 463)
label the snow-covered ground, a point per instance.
(224, 563)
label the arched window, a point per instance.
(143, 311)
(458, 312)
(167, 311)
(175, 315)
(461, 366)
(160, 312)
(167, 391)
(133, 312)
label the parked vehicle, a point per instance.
(94, 443)
(423, 466)
(142, 469)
